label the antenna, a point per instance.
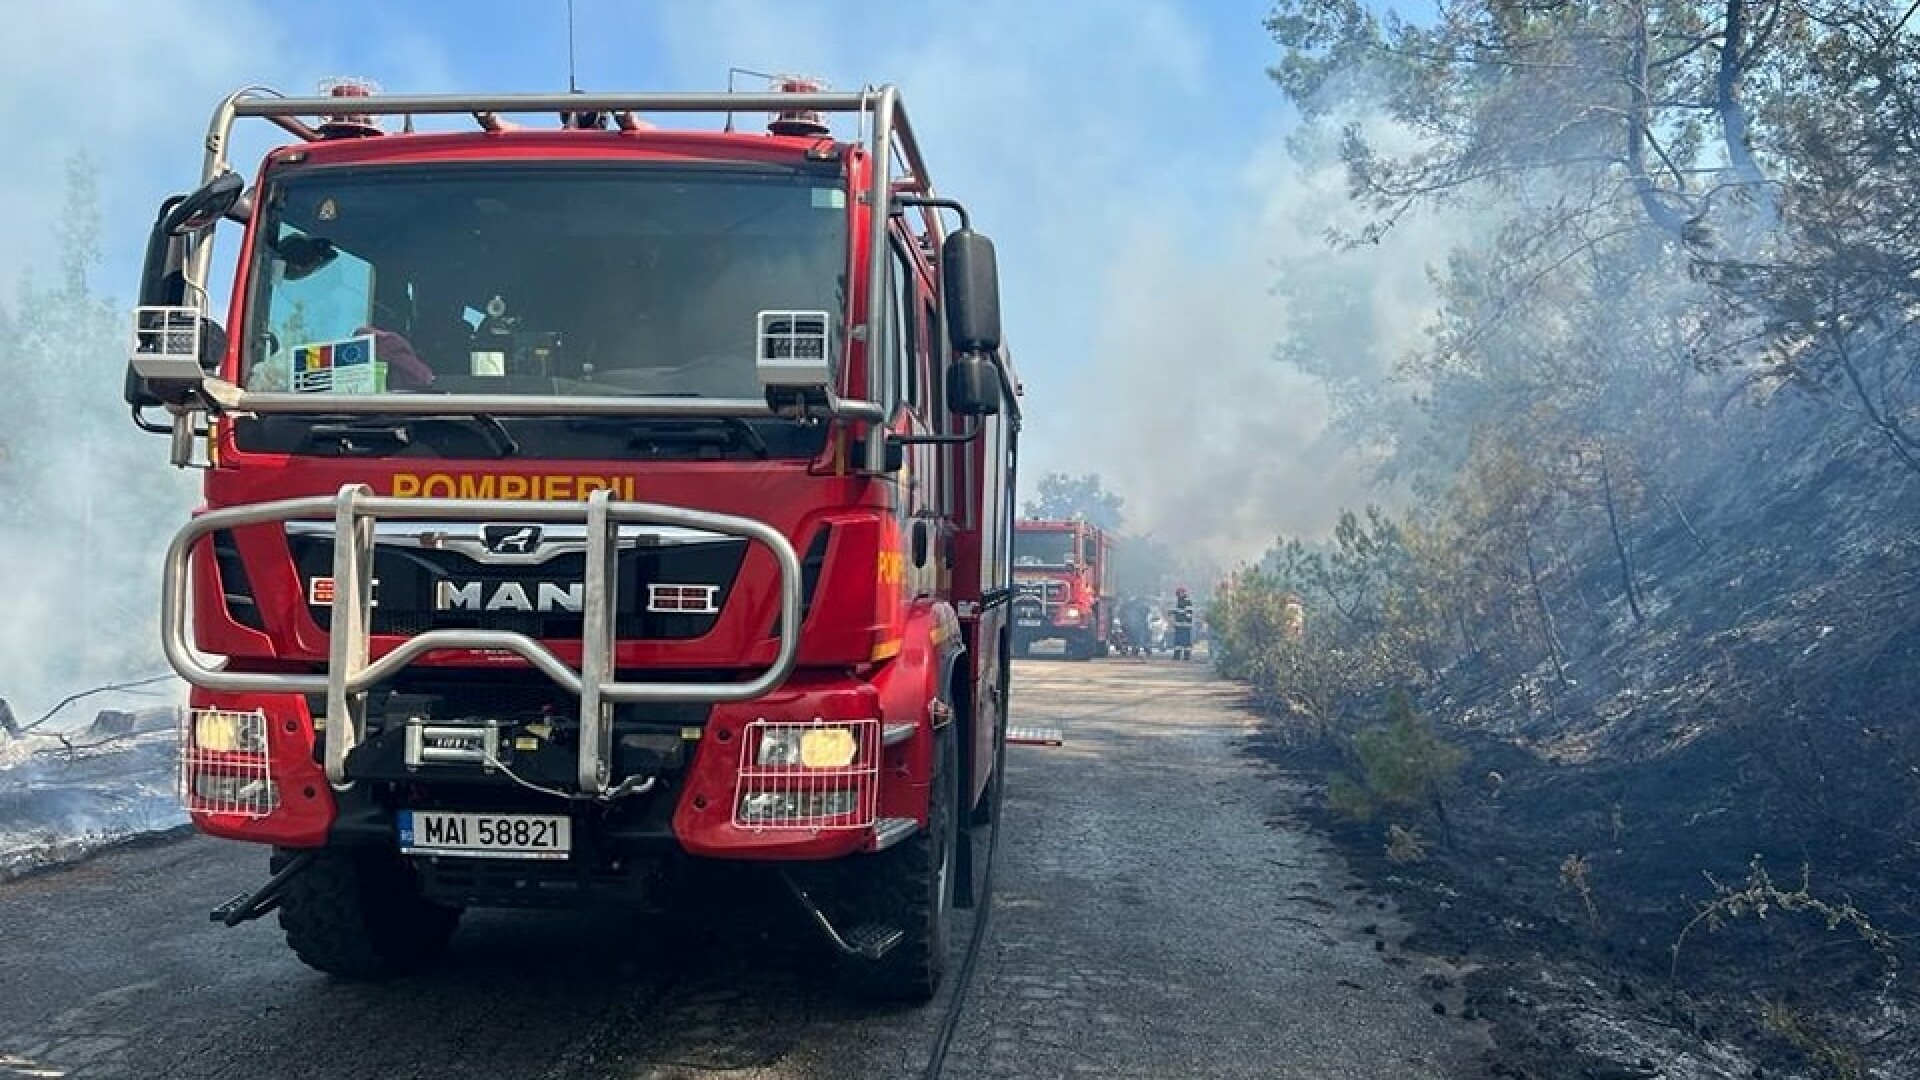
(573, 87)
(731, 72)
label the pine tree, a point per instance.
(88, 502)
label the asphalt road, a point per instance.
(1150, 922)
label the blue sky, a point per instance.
(1125, 154)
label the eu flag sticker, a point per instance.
(334, 367)
(353, 351)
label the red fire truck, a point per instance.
(1062, 577)
(586, 498)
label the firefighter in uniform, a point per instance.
(1181, 619)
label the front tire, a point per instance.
(1082, 647)
(910, 887)
(361, 915)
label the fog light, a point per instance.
(248, 794)
(826, 748)
(771, 806)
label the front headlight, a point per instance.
(807, 745)
(224, 731)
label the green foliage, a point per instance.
(1066, 498)
(1401, 768)
(1348, 798)
(1323, 627)
(1662, 185)
(1405, 845)
(1403, 763)
(1834, 1059)
(1514, 97)
(1681, 223)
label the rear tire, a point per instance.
(910, 887)
(361, 915)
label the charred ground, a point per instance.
(1683, 845)
(1645, 602)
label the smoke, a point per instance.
(1231, 332)
(112, 101)
(93, 88)
(1131, 161)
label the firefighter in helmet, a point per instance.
(1181, 619)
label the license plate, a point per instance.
(1029, 622)
(485, 836)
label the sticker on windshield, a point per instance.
(827, 198)
(336, 367)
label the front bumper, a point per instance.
(691, 754)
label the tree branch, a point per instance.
(1734, 123)
(1903, 444)
(1638, 133)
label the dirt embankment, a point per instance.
(1695, 852)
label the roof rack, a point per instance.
(884, 126)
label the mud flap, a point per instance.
(965, 894)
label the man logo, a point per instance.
(510, 539)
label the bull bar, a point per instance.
(351, 673)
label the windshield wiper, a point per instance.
(648, 432)
(730, 429)
(369, 437)
(359, 438)
(497, 432)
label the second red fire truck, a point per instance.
(1063, 572)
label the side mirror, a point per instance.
(973, 386)
(972, 281)
(174, 344)
(793, 357)
(200, 210)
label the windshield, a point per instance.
(495, 278)
(1042, 548)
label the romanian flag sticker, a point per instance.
(335, 367)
